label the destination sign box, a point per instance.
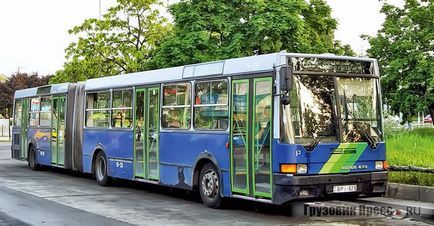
(331, 65)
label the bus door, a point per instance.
(58, 112)
(251, 127)
(24, 126)
(146, 133)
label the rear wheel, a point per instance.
(100, 169)
(209, 186)
(31, 159)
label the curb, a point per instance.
(410, 192)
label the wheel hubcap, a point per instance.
(210, 184)
(100, 169)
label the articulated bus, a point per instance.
(270, 128)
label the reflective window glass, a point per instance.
(122, 112)
(211, 105)
(176, 106)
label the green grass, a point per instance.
(411, 148)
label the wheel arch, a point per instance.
(32, 143)
(204, 158)
(99, 148)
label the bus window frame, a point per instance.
(189, 106)
(38, 112)
(194, 105)
(47, 112)
(131, 108)
(14, 123)
(85, 126)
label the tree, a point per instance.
(121, 42)
(16, 82)
(404, 49)
(206, 30)
(3, 78)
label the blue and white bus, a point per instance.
(270, 128)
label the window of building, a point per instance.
(176, 106)
(211, 105)
(122, 111)
(35, 106)
(45, 112)
(98, 109)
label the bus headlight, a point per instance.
(379, 165)
(301, 168)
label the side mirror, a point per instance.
(285, 77)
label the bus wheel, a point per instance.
(209, 187)
(32, 159)
(100, 169)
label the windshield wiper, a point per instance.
(315, 141)
(368, 137)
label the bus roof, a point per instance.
(42, 90)
(236, 66)
(244, 65)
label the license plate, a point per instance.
(344, 188)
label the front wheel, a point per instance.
(100, 169)
(31, 159)
(209, 186)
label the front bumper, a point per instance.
(289, 187)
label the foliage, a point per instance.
(404, 48)
(3, 78)
(206, 30)
(412, 148)
(16, 82)
(121, 42)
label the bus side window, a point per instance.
(176, 106)
(122, 111)
(97, 109)
(211, 105)
(35, 105)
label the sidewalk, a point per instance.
(408, 208)
(410, 192)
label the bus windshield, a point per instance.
(332, 109)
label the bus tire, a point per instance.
(209, 186)
(32, 159)
(100, 169)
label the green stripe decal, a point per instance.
(337, 161)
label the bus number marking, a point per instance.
(119, 164)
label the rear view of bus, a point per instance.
(331, 134)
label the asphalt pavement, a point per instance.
(60, 197)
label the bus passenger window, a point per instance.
(211, 105)
(122, 111)
(97, 109)
(45, 113)
(176, 106)
(34, 111)
(18, 112)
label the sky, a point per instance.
(33, 34)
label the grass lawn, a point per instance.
(411, 148)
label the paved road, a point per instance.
(58, 197)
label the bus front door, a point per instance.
(146, 133)
(58, 130)
(251, 127)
